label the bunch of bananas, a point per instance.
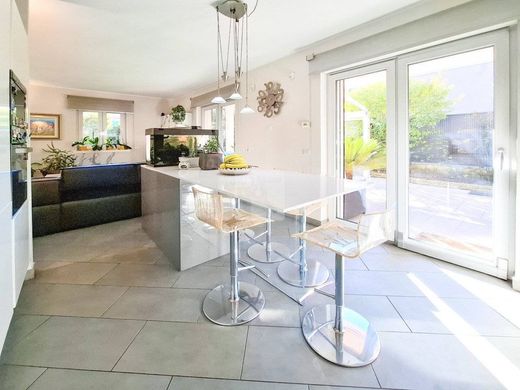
(234, 161)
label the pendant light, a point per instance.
(219, 99)
(236, 11)
(238, 45)
(247, 109)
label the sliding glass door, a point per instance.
(364, 144)
(453, 152)
(446, 168)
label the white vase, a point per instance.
(194, 162)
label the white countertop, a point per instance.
(278, 190)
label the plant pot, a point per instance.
(84, 148)
(208, 161)
(193, 162)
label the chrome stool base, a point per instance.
(218, 308)
(316, 274)
(358, 344)
(258, 252)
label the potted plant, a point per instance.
(56, 160)
(193, 156)
(178, 114)
(113, 143)
(88, 143)
(210, 158)
(360, 155)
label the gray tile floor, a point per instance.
(115, 316)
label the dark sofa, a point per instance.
(86, 196)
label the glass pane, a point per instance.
(362, 154)
(227, 134)
(113, 127)
(210, 118)
(91, 124)
(451, 114)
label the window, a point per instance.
(105, 125)
(221, 117)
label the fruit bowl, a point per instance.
(234, 171)
(234, 164)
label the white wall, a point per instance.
(280, 142)
(53, 100)
(13, 263)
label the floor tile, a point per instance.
(46, 265)
(163, 304)
(146, 255)
(403, 284)
(342, 388)
(279, 310)
(21, 326)
(426, 361)
(452, 315)
(68, 342)
(140, 275)
(200, 350)
(76, 273)
(222, 384)
(393, 262)
(282, 355)
(67, 299)
(378, 310)
(18, 377)
(208, 277)
(55, 379)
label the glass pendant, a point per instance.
(247, 110)
(235, 96)
(218, 100)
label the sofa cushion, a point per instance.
(46, 220)
(90, 212)
(100, 176)
(45, 192)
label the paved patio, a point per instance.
(451, 217)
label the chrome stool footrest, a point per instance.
(220, 309)
(258, 252)
(357, 345)
(314, 275)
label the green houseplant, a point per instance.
(369, 155)
(210, 157)
(56, 160)
(360, 153)
(88, 143)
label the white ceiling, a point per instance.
(168, 47)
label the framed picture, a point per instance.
(45, 126)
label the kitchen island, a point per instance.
(169, 213)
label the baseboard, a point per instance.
(30, 273)
(516, 282)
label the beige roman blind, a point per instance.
(98, 104)
(205, 99)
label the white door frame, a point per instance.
(334, 141)
(397, 144)
(501, 226)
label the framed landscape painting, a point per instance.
(45, 126)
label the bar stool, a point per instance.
(239, 302)
(303, 273)
(268, 251)
(335, 332)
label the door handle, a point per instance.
(500, 155)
